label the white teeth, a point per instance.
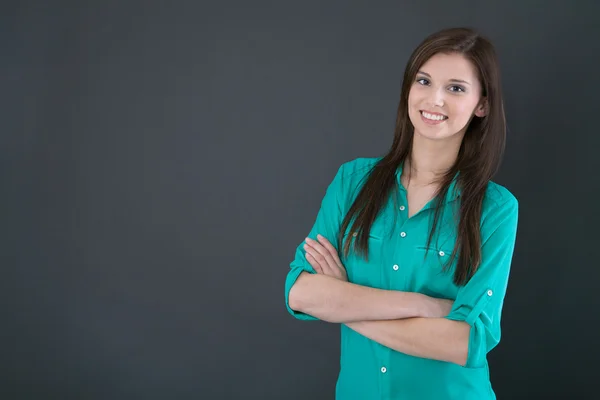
(433, 117)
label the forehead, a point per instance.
(443, 66)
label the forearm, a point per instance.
(333, 300)
(435, 338)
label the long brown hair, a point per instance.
(477, 161)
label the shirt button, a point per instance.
(403, 234)
(442, 254)
(490, 293)
(383, 369)
(402, 208)
(355, 234)
(395, 267)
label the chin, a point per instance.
(427, 134)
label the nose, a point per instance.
(437, 97)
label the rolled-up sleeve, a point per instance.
(327, 224)
(479, 303)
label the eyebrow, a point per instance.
(451, 80)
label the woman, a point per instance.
(411, 252)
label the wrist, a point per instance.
(422, 308)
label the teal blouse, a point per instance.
(400, 260)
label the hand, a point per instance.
(436, 308)
(323, 257)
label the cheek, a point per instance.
(413, 106)
(462, 112)
(415, 99)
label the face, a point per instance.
(444, 97)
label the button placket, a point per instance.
(397, 277)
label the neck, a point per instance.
(430, 160)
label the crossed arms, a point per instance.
(411, 323)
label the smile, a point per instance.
(433, 117)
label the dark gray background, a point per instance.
(160, 163)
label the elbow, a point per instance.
(461, 354)
(293, 299)
(297, 295)
(461, 358)
(306, 297)
(473, 346)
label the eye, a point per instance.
(456, 88)
(422, 81)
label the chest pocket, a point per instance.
(434, 272)
(361, 271)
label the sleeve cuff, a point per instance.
(478, 336)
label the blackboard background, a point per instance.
(160, 162)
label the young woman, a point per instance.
(411, 252)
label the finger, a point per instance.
(332, 250)
(314, 263)
(310, 257)
(340, 270)
(319, 259)
(322, 255)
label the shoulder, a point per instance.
(352, 174)
(358, 168)
(500, 207)
(497, 196)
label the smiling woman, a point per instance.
(411, 251)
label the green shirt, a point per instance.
(397, 261)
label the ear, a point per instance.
(482, 109)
